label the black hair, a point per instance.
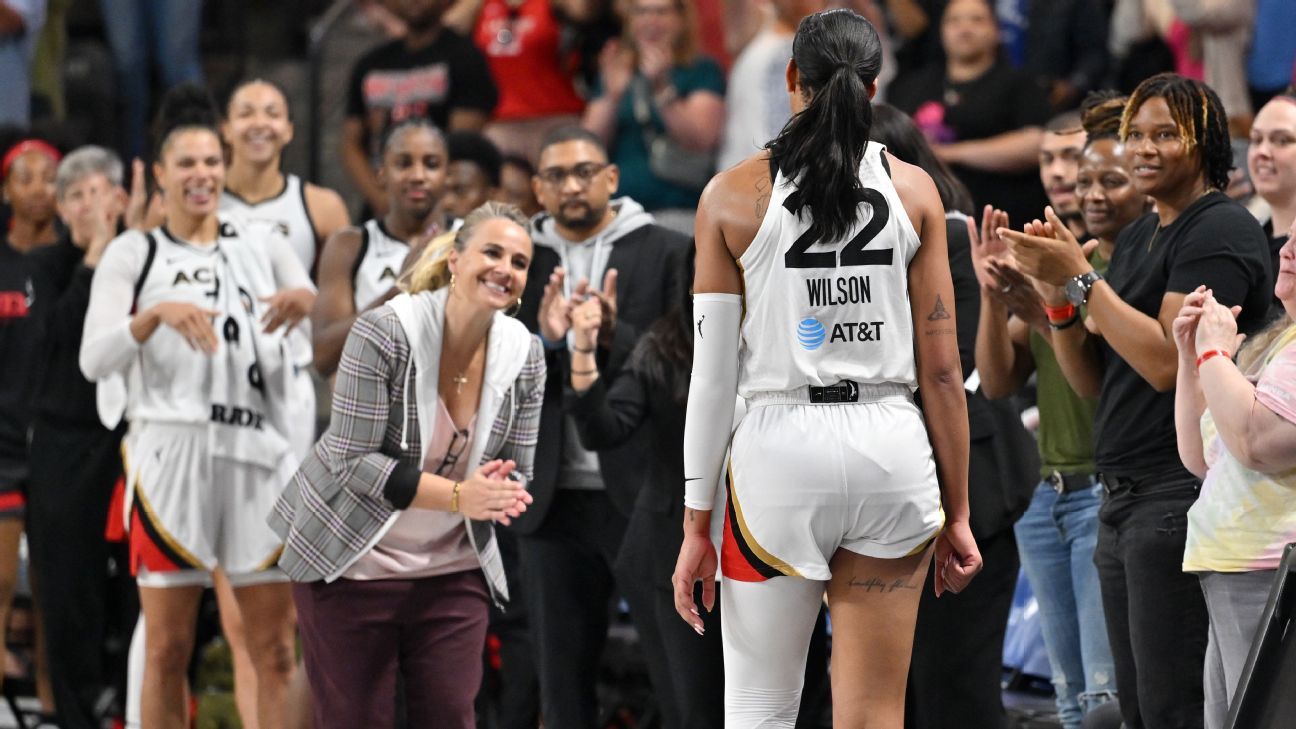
(837, 55)
(1199, 114)
(1068, 122)
(229, 98)
(518, 161)
(664, 355)
(572, 133)
(903, 139)
(186, 106)
(397, 130)
(477, 149)
(1101, 112)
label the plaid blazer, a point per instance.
(366, 466)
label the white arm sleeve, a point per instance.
(107, 345)
(708, 422)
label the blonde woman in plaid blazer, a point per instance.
(388, 525)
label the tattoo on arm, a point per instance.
(940, 312)
(762, 196)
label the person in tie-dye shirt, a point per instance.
(1236, 426)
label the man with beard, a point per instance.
(1059, 163)
(586, 244)
(432, 73)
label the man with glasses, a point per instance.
(586, 244)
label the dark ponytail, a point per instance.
(837, 54)
(187, 106)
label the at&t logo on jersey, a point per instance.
(811, 334)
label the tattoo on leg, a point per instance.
(940, 312)
(869, 584)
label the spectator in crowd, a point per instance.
(1176, 138)
(687, 670)
(28, 170)
(515, 186)
(526, 43)
(981, 115)
(758, 107)
(20, 26)
(473, 174)
(915, 24)
(207, 408)
(150, 37)
(1236, 423)
(587, 245)
(388, 525)
(1271, 59)
(69, 554)
(433, 73)
(1059, 159)
(360, 265)
(1271, 163)
(953, 655)
(1057, 534)
(1221, 30)
(1063, 44)
(659, 109)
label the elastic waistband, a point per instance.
(842, 393)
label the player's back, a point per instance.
(817, 314)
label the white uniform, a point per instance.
(378, 265)
(286, 212)
(287, 215)
(832, 453)
(804, 479)
(207, 452)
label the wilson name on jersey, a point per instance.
(816, 313)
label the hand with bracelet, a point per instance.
(489, 494)
(586, 321)
(1217, 335)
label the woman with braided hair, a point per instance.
(1176, 139)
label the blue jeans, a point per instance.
(1056, 538)
(147, 35)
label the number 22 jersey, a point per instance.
(817, 314)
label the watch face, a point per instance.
(1075, 292)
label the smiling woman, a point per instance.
(389, 530)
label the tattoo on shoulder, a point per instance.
(940, 312)
(762, 197)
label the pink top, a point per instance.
(426, 542)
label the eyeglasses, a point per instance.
(458, 442)
(584, 173)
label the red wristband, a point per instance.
(1211, 353)
(1059, 314)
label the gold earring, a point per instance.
(452, 283)
(515, 308)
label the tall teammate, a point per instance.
(193, 314)
(824, 310)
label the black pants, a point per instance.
(954, 680)
(1156, 614)
(514, 700)
(73, 471)
(567, 575)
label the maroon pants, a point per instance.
(356, 635)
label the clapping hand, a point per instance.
(489, 494)
(1047, 251)
(1217, 326)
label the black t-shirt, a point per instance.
(1001, 100)
(19, 346)
(1215, 242)
(392, 83)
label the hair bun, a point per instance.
(1100, 114)
(183, 106)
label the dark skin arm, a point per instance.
(334, 311)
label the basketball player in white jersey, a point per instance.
(823, 297)
(359, 266)
(257, 127)
(193, 314)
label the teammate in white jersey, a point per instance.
(194, 314)
(258, 125)
(359, 266)
(824, 310)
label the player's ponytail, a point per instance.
(187, 106)
(838, 55)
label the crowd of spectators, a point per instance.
(1106, 220)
